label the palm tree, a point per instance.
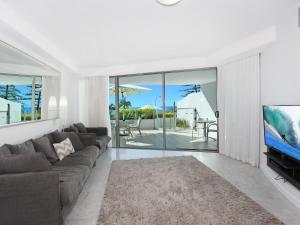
(38, 96)
(10, 92)
(125, 104)
(191, 88)
(112, 108)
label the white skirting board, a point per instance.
(287, 189)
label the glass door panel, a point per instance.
(191, 103)
(141, 111)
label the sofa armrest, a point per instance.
(30, 199)
(88, 139)
(99, 131)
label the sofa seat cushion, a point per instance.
(102, 141)
(72, 180)
(86, 157)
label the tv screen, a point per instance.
(282, 129)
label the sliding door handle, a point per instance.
(217, 114)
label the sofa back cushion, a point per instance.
(61, 136)
(75, 139)
(64, 148)
(81, 127)
(43, 145)
(4, 151)
(24, 148)
(22, 163)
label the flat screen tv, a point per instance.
(282, 129)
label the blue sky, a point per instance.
(173, 93)
(24, 89)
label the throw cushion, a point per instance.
(64, 148)
(81, 127)
(50, 137)
(4, 151)
(58, 136)
(74, 129)
(22, 163)
(61, 136)
(43, 144)
(24, 148)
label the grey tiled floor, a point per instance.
(249, 180)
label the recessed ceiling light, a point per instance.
(168, 2)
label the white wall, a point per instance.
(15, 111)
(210, 92)
(19, 133)
(280, 81)
(195, 100)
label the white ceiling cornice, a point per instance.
(146, 67)
(12, 20)
(254, 43)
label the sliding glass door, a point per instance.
(170, 110)
(191, 97)
(140, 111)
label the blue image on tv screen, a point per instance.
(282, 129)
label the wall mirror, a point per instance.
(29, 89)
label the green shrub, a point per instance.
(148, 114)
(182, 123)
(169, 114)
(131, 114)
(27, 117)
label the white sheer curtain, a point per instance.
(239, 105)
(96, 97)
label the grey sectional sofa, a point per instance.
(35, 186)
(101, 133)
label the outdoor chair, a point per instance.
(196, 128)
(212, 128)
(136, 126)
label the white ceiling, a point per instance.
(116, 32)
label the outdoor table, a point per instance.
(205, 123)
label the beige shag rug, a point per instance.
(175, 191)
